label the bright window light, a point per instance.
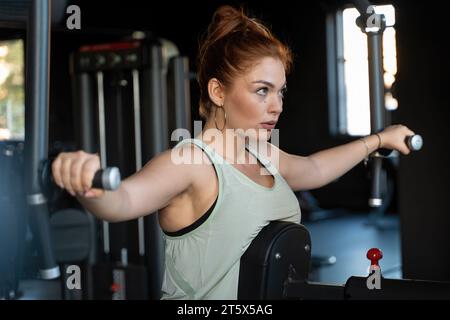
(356, 73)
(12, 98)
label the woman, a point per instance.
(211, 210)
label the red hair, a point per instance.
(234, 43)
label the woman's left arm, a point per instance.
(323, 167)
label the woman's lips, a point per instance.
(268, 125)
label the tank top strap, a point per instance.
(210, 152)
(263, 159)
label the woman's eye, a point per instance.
(283, 92)
(262, 91)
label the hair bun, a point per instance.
(228, 20)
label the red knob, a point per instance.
(374, 255)
(115, 287)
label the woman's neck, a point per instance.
(226, 142)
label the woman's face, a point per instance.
(255, 99)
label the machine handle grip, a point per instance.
(107, 179)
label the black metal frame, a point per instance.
(36, 130)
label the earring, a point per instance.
(225, 117)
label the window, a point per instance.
(12, 97)
(348, 76)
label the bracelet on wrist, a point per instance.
(366, 158)
(379, 140)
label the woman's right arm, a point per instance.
(146, 191)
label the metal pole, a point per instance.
(376, 86)
(155, 141)
(36, 130)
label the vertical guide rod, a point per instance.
(36, 130)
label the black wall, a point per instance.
(422, 90)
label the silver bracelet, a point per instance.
(379, 140)
(366, 159)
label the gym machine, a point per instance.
(121, 95)
(276, 266)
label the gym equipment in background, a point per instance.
(124, 112)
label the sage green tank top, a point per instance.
(204, 263)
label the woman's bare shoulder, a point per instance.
(165, 177)
(195, 159)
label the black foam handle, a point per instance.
(107, 179)
(414, 143)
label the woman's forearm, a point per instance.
(111, 206)
(334, 162)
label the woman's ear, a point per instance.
(216, 92)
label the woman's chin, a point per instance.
(264, 134)
(258, 134)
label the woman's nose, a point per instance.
(276, 105)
